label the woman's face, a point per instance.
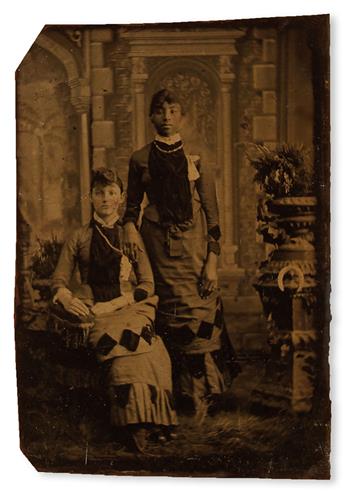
(167, 118)
(106, 199)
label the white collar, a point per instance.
(168, 140)
(111, 221)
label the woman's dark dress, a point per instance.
(139, 370)
(191, 327)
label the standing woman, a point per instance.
(180, 229)
(138, 366)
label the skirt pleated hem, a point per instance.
(146, 404)
(199, 376)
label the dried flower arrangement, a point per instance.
(46, 257)
(282, 172)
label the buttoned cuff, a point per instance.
(213, 246)
(140, 294)
(214, 233)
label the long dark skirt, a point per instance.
(136, 365)
(191, 327)
(139, 370)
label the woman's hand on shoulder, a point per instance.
(131, 242)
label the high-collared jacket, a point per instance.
(75, 254)
(202, 188)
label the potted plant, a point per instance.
(43, 264)
(286, 281)
(282, 172)
(286, 212)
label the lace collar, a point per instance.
(168, 140)
(111, 221)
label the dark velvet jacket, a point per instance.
(201, 182)
(76, 254)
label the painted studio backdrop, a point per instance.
(256, 96)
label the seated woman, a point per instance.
(122, 332)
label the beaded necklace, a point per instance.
(167, 151)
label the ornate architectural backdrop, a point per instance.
(83, 97)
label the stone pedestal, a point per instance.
(288, 290)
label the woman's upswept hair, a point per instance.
(105, 176)
(162, 96)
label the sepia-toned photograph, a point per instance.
(173, 260)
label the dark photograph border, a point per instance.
(255, 109)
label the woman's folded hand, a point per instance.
(102, 308)
(72, 304)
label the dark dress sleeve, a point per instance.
(66, 264)
(144, 275)
(135, 192)
(206, 188)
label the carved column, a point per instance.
(229, 248)
(80, 98)
(139, 78)
(102, 86)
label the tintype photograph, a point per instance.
(172, 264)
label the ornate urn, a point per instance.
(287, 286)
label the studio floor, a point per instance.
(64, 430)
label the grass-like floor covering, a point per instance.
(67, 431)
